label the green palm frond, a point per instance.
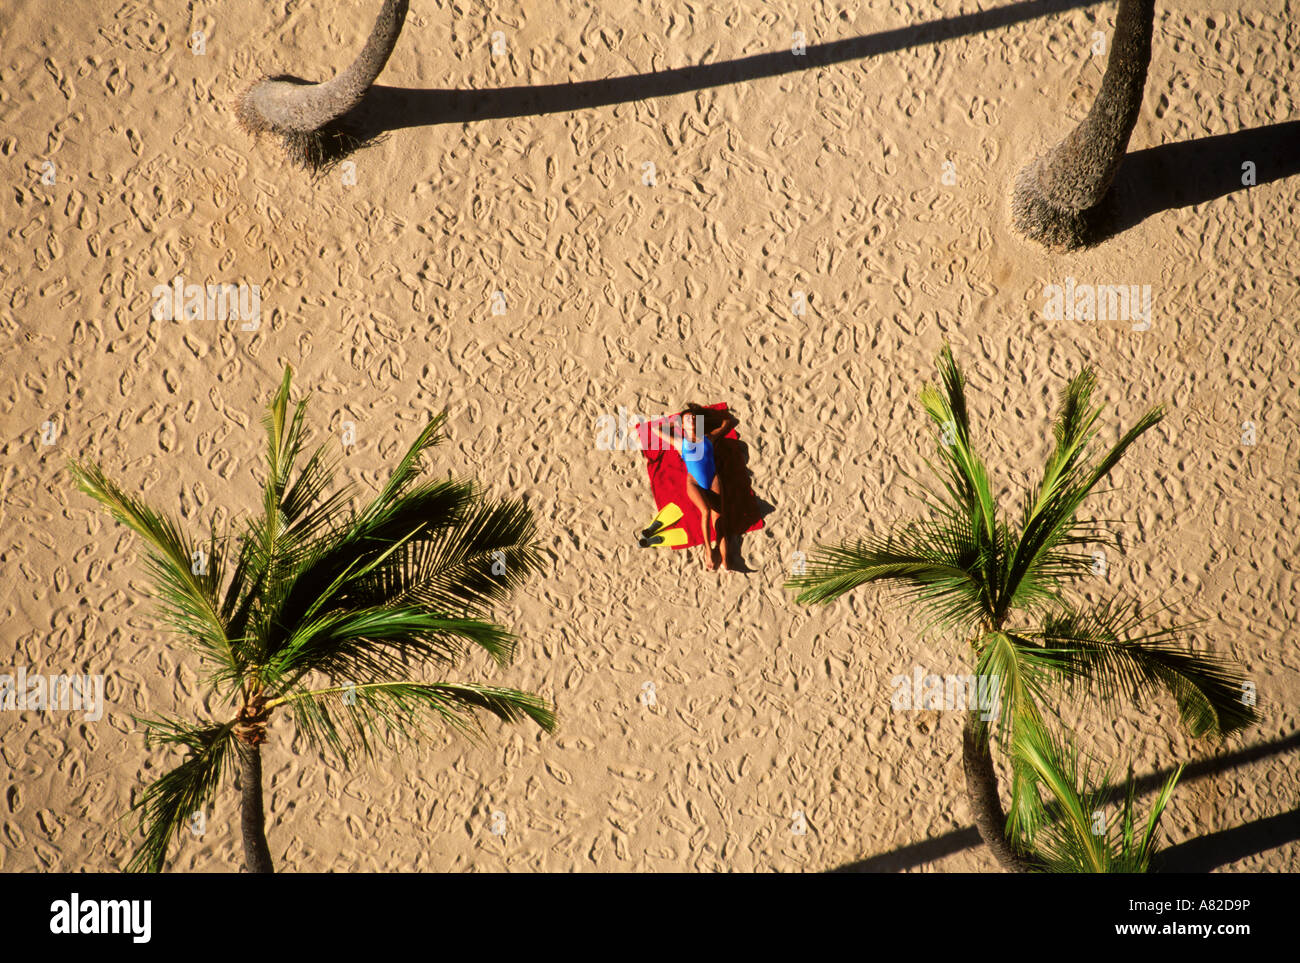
(170, 802)
(283, 445)
(964, 476)
(967, 499)
(1116, 644)
(354, 719)
(472, 559)
(376, 643)
(241, 602)
(283, 440)
(1022, 672)
(187, 593)
(1136, 852)
(297, 514)
(1073, 432)
(333, 571)
(1082, 838)
(1040, 555)
(932, 563)
(409, 468)
(1071, 842)
(308, 512)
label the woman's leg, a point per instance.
(721, 523)
(699, 500)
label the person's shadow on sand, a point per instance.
(733, 467)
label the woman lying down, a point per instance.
(693, 433)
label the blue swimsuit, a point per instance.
(698, 456)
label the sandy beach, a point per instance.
(798, 246)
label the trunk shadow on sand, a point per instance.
(1191, 172)
(1194, 856)
(385, 109)
(1207, 853)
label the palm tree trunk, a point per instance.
(296, 111)
(982, 793)
(257, 854)
(1057, 197)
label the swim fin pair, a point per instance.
(660, 534)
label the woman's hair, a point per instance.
(693, 409)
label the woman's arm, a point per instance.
(729, 421)
(658, 429)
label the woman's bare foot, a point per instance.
(713, 557)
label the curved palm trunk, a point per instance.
(257, 854)
(298, 112)
(1056, 197)
(982, 792)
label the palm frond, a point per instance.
(1082, 839)
(296, 512)
(1070, 843)
(333, 571)
(171, 801)
(409, 468)
(283, 441)
(1118, 645)
(241, 602)
(1040, 555)
(355, 719)
(1073, 431)
(965, 475)
(188, 598)
(377, 643)
(1137, 853)
(1021, 672)
(928, 562)
(461, 565)
(308, 513)
(968, 497)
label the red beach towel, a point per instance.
(668, 480)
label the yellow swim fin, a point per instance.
(666, 538)
(670, 514)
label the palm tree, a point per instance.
(321, 612)
(1057, 198)
(999, 585)
(304, 115)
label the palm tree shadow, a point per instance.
(395, 108)
(1207, 853)
(1192, 172)
(1210, 851)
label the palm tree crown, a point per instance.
(316, 610)
(1000, 583)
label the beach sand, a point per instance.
(618, 292)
